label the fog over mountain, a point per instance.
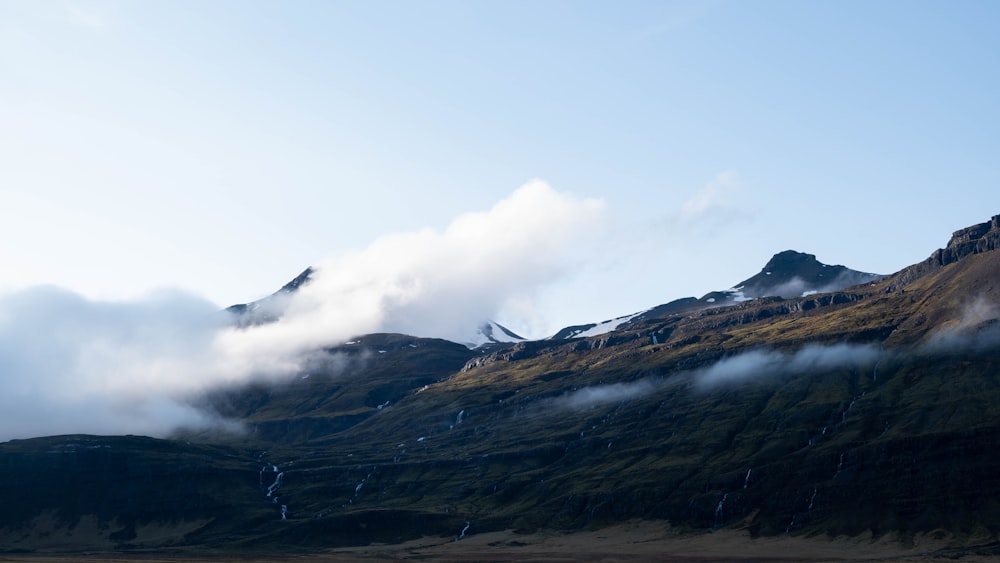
(437, 284)
(822, 413)
(71, 364)
(499, 280)
(74, 364)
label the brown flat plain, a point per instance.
(639, 541)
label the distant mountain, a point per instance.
(270, 308)
(787, 274)
(492, 332)
(791, 274)
(867, 412)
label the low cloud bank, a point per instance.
(976, 327)
(597, 395)
(71, 365)
(75, 365)
(756, 366)
(761, 364)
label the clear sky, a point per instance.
(221, 147)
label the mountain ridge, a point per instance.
(868, 411)
(787, 274)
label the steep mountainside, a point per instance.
(869, 409)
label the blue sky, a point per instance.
(222, 147)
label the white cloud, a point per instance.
(759, 365)
(597, 395)
(77, 365)
(442, 284)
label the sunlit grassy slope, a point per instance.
(894, 430)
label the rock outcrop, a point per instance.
(970, 240)
(976, 239)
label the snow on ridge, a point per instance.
(606, 326)
(491, 333)
(501, 334)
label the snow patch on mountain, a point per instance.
(492, 332)
(604, 327)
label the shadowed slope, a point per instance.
(868, 409)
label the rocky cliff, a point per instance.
(969, 241)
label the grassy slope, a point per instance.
(915, 433)
(901, 441)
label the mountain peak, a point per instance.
(298, 281)
(976, 239)
(790, 259)
(268, 309)
(492, 332)
(790, 273)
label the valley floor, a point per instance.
(639, 541)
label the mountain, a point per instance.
(595, 329)
(864, 412)
(792, 274)
(271, 308)
(787, 274)
(492, 332)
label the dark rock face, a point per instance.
(977, 239)
(971, 240)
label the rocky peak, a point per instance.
(970, 240)
(790, 274)
(270, 308)
(298, 281)
(977, 239)
(790, 260)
